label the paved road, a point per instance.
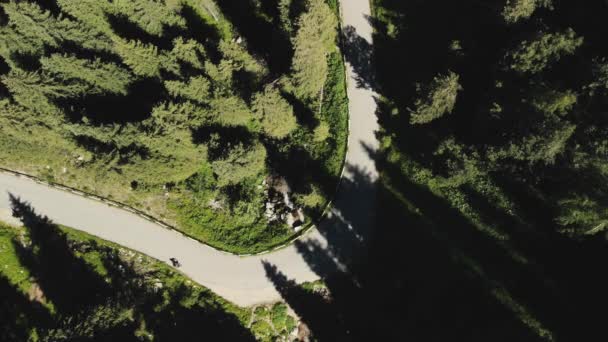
(241, 280)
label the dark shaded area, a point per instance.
(25, 61)
(303, 112)
(262, 36)
(359, 53)
(431, 268)
(430, 274)
(4, 67)
(218, 137)
(88, 306)
(16, 311)
(142, 96)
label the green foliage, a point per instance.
(439, 99)
(516, 10)
(270, 324)
(276, 114)
(315, 37)
(240, 163)
(580, 214)
(196, 89)
(35, 90)
(533, 56)
(231, 111)
(321, 132)
(313, 200)
(189, 51)
(542, 147)
(150, 15)
(167, 117)
(241, 59)
(143, 59)
(284, 7)
(31, 29)
(90, 12)
(101, 77)
(551, 101)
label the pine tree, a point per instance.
(580, 214)
(516, 10)
(101, 77)
(316, 35)
(143, 59)
(240, 163)
(196, 89)
(439, 100)
(189, 51)
(31, 29)
(532, 56)
(90, 12)
(35, 90)
(230, 111)
(275, 113)
(150, 15)
(28, 30)
(241, 59)
(554, 102)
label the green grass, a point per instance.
(9, 262)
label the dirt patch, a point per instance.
(35, 294)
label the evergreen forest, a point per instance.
(179, 108)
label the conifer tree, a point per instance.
(275, 113)
(532, 56)
(90, 12)
(150, 15)
(316, 35)
(439, 100)
(143, 59)
(189, 51)
(240, 163)
(230, 111)
(101, 77)
(35, 90)
(196, 89)
(516, 10)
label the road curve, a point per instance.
(241, 280)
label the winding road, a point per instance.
(242, 280)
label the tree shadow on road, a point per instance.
(118, 299)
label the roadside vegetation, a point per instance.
(59, 284)
(185, 109)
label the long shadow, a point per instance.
(89, 308)
(186, 322)
(359, 53)
(67, 281)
